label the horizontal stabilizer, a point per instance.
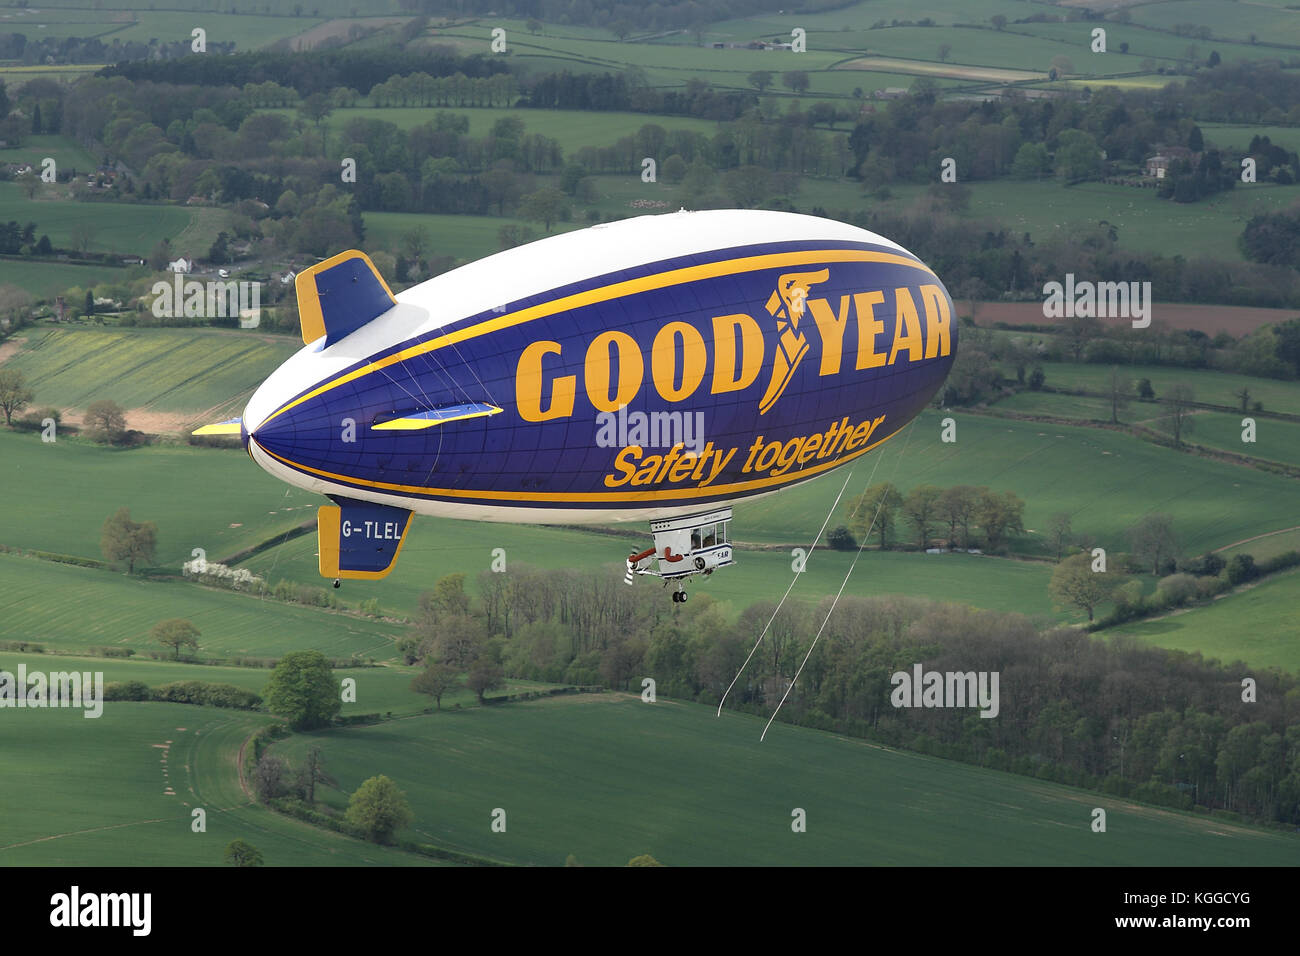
(413, 421)
(228, 427)
(338, 296)
(359, 539)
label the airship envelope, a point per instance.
(660, 368)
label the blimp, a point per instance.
(659, 369)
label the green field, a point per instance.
(1256, 625)
(72, 608)
(45, 280)
(379, 690)
(203, 373)
(128, 228)
(463, 237)
(606, 778)
(1274, 440)
(438, 547)
(1211, 387)
(67, 153)
(81, 792)
(1144, 222)
(215, 499)
(1228, 136)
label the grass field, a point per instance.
(437, 547)
(81, 792)
(206, 498)
(66, 152)
(1212, 387)
(45, 280)
(670, 780)
(127, 228)
(464, 237)
(72, 608)
(1256, 626)
(379, 690)
(194, 372)
(1144, 222)
(1274, 440)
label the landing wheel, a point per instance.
(679, 597)
(338, 583)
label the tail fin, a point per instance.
(340, 295)
(359, 539)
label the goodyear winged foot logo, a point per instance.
(786, 305)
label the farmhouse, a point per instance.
(1158, 164)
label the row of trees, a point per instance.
(1111, 714)
(963, 515)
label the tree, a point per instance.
(957, 509)
(1241, 568)
(761, 79)
(796, 80)
(945, 51)
(379, 808)
(1032, 162)
(999, 515)
(176, 633)
(873, 510)
(1075, 584)
(999, 21)
(747, 185)
(125, 541)
(1118, 388)
(1244, 395)
(545, 206)
(1145, 391)
(841, 539)
(1077, 156)
(435, 680)
(243, 853)
(1177, 418)
(14, 393)
(269, 777)
(1079, 331)
(304, 690)
(485, 675)
(921, 506)
(645, 859)
(415, 244)
(1152, 539)
(1058, 530)
(105, 420)
(310, 774)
